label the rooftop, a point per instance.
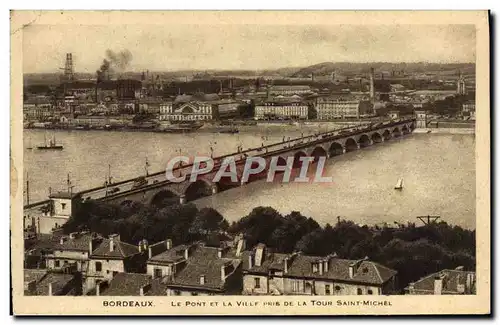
(453, 280)
(74, 242)
(120, 250)
(338, 269)
(130, 284)
(42, 280)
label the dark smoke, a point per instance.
(118, 61)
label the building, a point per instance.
(282, 108)
(226, 109)
(45, 283)
(445, 282)
(38, 109)
(111, 257)
(266, 272)
(197, 269)
(340, 107)
(290, 90)
(72, 252)
(469, 106)
(190, 111)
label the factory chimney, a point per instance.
(372, 85)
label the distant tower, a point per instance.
(68, 67)
(372, 85)
(460, 84)
(421, 119)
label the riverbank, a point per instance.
(446, 130)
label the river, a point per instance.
(438, 172)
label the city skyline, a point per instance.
(239, 47)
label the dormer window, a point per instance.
(315, 267)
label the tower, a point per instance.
(421, 119)
(460, 84)
(68, 67)
(372, 85)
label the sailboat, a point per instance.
(51, 145)
(399, 184)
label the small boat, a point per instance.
(399, 184)
(51, 145)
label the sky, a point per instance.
(251, 47)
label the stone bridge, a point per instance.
(329, 144)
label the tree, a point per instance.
(208, 220)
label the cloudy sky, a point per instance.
(177, 47)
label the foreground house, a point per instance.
(445, 282)
(197, 269)
(266, 272)
(112, 257)
(39, 282)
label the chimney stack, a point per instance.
(286, 261)
(372, 85)
(202, 279)
(219, 252)
(98, 289)
(186, 253)
(63, 240)
(352, 270)
(438, 285)
(320, 268)
(223, 272)
(250, 260)
(50, 293)
(241, 246)
(169, 243)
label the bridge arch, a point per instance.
(164, 198)
(318, 151)
(364, 141)
(350, 145)
(386, 135)
(199, 189)
(376, 137)
(335, 149)
(296, 158)
(396, 132)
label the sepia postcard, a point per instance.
(250, 163)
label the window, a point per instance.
(327, 289)
(56, 263)
(360, 291)
(177, 293)
(257, 282)
(63, 205)
(98, 266)
(157, 273)
(370, 291)
(338, 288)
(295, 286)
(194, 293)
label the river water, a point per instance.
(438, 172)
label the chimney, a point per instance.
(469, 282)
(259, 254)
(63, 240)
(98, 289)
(352, 270)
(202, 279)
(169, 243)
(113, 238)
(320, 267)
(286, 261)
(326, 265)
(223, 272)
(186, 253)
(150, 252)
(438, 284)
(411, 287)
(50, 289)
(144, 289)
(241, 246)
(250, 260)
(372, 85)
(219, 252)
(139, 246)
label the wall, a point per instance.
(70, 256)
(62, 207)
(249, 284)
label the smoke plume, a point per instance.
(113, 61)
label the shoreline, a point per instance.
(445, 131)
